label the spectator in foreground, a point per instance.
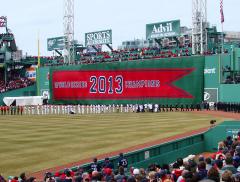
(213, 174)
(2, 179)
(23, 177)
(95, 166)
(122, 161)
(229, 164)
(227, 176)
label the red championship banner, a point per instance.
(118, 84)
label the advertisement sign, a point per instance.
(163, 29)
(98, 38)
(17, 56)
(56, 43)
(3, 21)
(211, 95)
(31, 73)
(233, 132)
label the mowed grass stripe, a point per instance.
(32, 143)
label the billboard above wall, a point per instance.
(98, 38)
(3, 21)
(163, 29)
(56, 43)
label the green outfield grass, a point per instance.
(33, 143)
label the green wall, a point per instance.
(230, 92)
(27, 91)
(213, 75)
(212, 70)
(43, 80)
(237, 58)
(219, 133)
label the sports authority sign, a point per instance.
(163, 29)
(98, 38)
(128, 84)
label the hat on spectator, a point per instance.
(107, 159)
(237, 149)
(136, 171)
(108, 171)
(94, 173)
(237, 176)
(238, 169)
(201, 158)
(85, 176)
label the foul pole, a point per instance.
(68, 23)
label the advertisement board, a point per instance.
(163, 29)
(56, 43)
(31, 73)
(98, 38)
(3, 21)
(211, 95)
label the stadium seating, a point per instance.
(14, 84)
(116, 56)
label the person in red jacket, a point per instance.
(1, 109)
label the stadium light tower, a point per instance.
(68, 23)
(199, 26)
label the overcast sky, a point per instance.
(126, 18)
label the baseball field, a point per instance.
(33, 143)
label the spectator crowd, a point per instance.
(118, 55)
(15, 83)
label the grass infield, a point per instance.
(32, 143)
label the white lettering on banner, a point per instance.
(210, 71)
(72, 84)
(103, 37)
(162, 28)
(142, 83)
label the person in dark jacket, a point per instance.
(95, 166)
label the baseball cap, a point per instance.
(136, 171)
